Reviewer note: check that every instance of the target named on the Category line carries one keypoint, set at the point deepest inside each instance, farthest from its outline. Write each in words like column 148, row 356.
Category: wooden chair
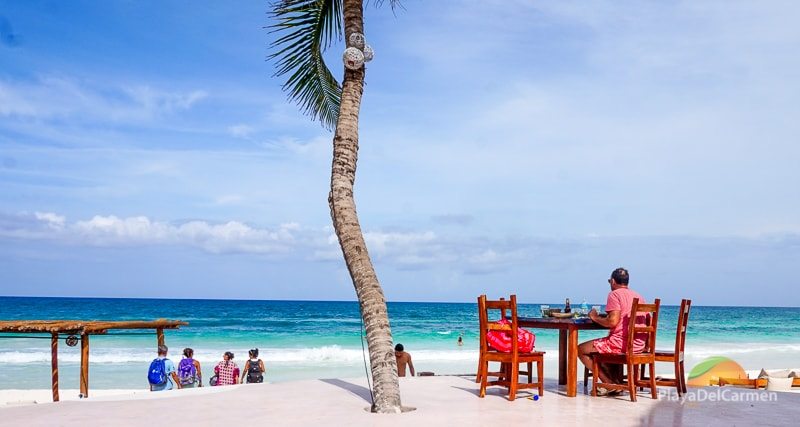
column 509, row 373
column 480, row 355
column 629, row 358
column 503, row 367
column 675, row 357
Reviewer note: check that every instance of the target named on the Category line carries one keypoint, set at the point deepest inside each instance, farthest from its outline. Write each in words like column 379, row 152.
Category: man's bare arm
column 608, row 322
column 175, row 378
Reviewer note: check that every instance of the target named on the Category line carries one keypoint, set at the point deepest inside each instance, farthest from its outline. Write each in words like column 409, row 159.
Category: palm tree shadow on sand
column 355, row 389
column 359, row 391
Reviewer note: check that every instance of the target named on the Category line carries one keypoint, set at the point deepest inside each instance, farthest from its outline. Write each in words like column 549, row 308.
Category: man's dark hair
column 162, row 349
column 620, row 276
column 398, row 347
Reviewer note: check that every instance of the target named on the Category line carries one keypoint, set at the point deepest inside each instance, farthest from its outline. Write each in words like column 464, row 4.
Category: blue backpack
column 157, row 375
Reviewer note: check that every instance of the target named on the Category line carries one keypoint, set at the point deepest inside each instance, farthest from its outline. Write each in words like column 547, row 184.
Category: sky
column 506, row 146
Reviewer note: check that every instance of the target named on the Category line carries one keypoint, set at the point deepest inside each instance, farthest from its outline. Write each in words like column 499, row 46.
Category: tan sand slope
column 440, row 401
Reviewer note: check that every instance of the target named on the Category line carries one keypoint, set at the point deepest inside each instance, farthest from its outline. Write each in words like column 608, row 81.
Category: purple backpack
column 187, row 373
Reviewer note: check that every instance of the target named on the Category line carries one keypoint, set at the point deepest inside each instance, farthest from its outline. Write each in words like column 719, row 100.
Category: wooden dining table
column 567, row 344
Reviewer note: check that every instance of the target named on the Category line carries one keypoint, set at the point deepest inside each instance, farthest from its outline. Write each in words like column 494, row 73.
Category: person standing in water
column 403, row 360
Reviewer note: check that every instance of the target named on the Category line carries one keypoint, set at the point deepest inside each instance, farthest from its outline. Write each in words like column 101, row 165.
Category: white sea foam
column 325, row 354
column 332, row 354
column 741, row 349
column 338, row 355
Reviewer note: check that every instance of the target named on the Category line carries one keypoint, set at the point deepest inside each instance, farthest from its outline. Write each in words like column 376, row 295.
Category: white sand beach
column 20, row 397
column 439, row 401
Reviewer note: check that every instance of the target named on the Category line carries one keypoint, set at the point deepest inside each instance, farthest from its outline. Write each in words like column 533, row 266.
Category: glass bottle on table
column 567, row 308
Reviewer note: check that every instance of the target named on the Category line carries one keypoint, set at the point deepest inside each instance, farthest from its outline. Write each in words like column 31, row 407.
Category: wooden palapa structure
column 80, row 330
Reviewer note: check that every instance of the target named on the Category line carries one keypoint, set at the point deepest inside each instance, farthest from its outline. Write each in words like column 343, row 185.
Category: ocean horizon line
column 345, row 301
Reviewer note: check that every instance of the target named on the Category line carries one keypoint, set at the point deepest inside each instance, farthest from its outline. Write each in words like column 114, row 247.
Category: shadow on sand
column 355, row 389
column 361, row 392
column 708, row 406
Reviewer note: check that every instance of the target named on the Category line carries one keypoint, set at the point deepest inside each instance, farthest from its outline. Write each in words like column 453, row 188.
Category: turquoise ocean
column 322, row 339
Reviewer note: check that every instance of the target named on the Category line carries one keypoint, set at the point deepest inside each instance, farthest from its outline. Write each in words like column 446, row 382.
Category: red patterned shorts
column 603, row 345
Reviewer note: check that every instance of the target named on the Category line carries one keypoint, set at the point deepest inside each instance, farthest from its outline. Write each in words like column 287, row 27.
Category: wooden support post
column 562, row 356
column 572, row 363
column 160, row 335
column 54, row 364
column 84, row 365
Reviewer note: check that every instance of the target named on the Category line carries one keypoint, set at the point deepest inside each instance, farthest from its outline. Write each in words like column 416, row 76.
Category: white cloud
column 228, row 237
column 60, row 97
column 156, row 100
column 382, row 242
column 404, row 248
column 240, row 131
column 317, row 147
column 235, row 236
column 491, row 260
column 52, row 220
column 105, row 230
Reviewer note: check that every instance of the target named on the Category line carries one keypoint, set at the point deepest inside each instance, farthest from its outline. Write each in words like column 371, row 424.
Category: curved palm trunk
column 386, row 389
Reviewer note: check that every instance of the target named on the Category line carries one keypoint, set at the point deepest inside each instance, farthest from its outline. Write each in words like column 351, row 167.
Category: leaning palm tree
column 305, row 29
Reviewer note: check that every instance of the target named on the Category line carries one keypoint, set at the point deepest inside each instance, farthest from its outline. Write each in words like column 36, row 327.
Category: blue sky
column 506, row 147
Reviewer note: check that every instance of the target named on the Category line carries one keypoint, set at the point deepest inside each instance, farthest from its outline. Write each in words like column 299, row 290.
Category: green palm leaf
column 305, row 29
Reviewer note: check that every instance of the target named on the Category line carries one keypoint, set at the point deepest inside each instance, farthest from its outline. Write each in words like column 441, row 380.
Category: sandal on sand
column 602, row 391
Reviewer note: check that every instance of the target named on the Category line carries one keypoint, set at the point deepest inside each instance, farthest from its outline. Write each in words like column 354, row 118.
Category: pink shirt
column 227, row 373
column 621, row 300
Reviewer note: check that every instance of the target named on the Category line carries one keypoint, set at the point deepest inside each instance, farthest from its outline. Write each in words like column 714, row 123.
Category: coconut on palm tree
column 305, row 28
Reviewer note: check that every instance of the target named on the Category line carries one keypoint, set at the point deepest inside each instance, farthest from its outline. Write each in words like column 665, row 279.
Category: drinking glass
column 544, row 309
column 596, row 308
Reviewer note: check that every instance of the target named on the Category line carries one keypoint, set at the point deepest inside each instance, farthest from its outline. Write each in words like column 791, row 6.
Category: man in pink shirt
column 618, row 308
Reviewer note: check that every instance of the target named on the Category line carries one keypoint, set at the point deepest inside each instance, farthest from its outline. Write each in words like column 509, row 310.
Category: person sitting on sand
column 403, row 359
column 254, row 368
column 189, row 373
column 169, row 371
column 226, row 370
column 618, row 309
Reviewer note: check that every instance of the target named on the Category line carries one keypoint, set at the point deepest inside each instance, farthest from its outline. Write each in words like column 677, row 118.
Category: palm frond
column 305, row 29
column 395, row 4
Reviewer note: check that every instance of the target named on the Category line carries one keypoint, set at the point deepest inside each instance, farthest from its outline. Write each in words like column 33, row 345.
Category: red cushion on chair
column 501, row 340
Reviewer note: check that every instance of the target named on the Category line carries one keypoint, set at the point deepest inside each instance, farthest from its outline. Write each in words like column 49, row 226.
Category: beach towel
column 501, row 340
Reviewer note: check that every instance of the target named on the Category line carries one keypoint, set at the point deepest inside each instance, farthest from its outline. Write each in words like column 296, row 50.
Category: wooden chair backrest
column 501, row 305
column 650, row 327
column 683, row 320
